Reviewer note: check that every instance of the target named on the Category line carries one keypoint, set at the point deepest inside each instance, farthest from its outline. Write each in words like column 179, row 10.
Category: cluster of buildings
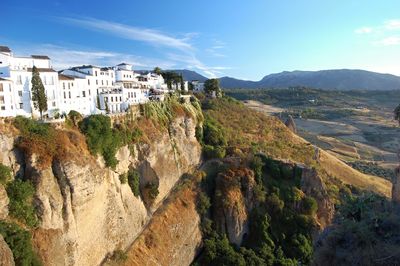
column 87, row 89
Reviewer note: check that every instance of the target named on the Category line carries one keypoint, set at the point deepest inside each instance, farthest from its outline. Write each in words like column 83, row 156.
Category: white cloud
column 150, row 36
column 363, row 30
column 64, row 57
column 393, row 24
column 187, row 52
column 389, row 41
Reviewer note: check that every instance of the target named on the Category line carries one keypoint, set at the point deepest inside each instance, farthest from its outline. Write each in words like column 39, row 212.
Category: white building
column 17, row 71
column 197, row 85
column 86, row 89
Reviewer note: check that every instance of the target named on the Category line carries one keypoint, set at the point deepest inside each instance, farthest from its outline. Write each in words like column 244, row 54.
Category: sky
column 237, row 38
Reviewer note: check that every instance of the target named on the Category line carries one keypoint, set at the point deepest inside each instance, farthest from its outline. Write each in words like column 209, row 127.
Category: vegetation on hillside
column 281, row 222
column 366, row 232
column 19, row 241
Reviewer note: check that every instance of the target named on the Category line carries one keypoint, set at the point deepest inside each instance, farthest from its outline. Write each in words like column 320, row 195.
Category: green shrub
column 213, row 133
column 28, row 126
column 152, row 190
column 101, row 138
column 75, row 117
column 309, row 205
column 5, row 174
column 20, row 244
column 212, row 152
column 123, row 178
column 134, row 182
column 119, row 256
column 203, row 203
column 20, row 194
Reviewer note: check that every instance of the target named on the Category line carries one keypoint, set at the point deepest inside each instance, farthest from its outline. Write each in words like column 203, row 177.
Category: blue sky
column 242, row 39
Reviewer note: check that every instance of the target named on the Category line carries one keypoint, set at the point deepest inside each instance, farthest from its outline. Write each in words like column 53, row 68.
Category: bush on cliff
column 101, row 138
column 21, row 194
column 134, row 181
column 20, row 244
column 5, row 174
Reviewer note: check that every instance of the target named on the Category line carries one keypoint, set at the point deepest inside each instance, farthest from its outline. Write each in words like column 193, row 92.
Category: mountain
column 190, row 75
column 340, row 79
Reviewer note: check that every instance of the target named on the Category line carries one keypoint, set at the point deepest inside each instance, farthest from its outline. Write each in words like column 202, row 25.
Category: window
column 112, row 99
column 95, row 73
column 44, row 80
column 2, row 99
column 20, row 93
column 3, row 108
column 88, row 82
column 65, row 95
column 89, row 92
column 107, row 82
column 54, row 104
column 97, row 82
column 112, row 75
column 120, row 98
column 69, row 85
column 83, row 93
column 1, row 86
column 21, row 106
column 102, row 82
column 19, row 79
column 52, row 81
column 64, row 85
column 69, row 94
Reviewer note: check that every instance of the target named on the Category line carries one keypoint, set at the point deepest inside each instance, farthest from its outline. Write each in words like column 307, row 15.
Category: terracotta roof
column 40, row 56
column 64, row 77
column 5, row 49
column 43, row 69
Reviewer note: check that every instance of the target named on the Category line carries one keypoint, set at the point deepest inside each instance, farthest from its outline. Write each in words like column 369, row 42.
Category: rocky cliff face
column 234, row 194
column 6, row 256
column 85, row 212
column 173, row 236
column 396, row 186
column 313, row 185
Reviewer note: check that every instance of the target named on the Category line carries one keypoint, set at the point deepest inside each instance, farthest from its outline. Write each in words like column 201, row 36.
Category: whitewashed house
column 197, row 85
column 18, row 71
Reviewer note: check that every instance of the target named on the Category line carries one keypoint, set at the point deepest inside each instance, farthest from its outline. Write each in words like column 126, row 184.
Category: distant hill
column 341, row 79
column 190, row 75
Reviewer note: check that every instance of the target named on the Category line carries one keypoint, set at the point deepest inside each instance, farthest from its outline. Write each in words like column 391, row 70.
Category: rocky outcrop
column 291, row 124
column 9, row 156
column 173, row 237
column 396, row 186
column 234, row 199
column 6, row 256
column 85, row 212
column 3, row 203
column 313, row 185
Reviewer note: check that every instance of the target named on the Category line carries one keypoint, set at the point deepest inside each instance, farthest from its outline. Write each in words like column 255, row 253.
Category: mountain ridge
column 332, row 79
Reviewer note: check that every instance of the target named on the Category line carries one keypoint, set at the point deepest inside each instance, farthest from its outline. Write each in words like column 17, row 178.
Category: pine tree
column 39, row 97
column 182, row 83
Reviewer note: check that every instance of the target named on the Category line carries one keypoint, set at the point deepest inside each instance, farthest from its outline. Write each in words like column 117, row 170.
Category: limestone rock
column 313, row 185
column 234, row 197
column 396, row 186
column 4, row 200
column 291, row 124
column 6, row 256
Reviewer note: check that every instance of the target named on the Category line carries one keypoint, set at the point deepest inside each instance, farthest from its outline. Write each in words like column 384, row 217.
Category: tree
column 212, row 85
column 182, row 83
column 157, row 70
column 397, row 113
column 39, row 97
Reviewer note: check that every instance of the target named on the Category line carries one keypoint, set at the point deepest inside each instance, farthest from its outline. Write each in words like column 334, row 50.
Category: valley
column 355, row 126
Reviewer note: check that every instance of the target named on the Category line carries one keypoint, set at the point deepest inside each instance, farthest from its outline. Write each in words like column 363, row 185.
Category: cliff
column 85, row 213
